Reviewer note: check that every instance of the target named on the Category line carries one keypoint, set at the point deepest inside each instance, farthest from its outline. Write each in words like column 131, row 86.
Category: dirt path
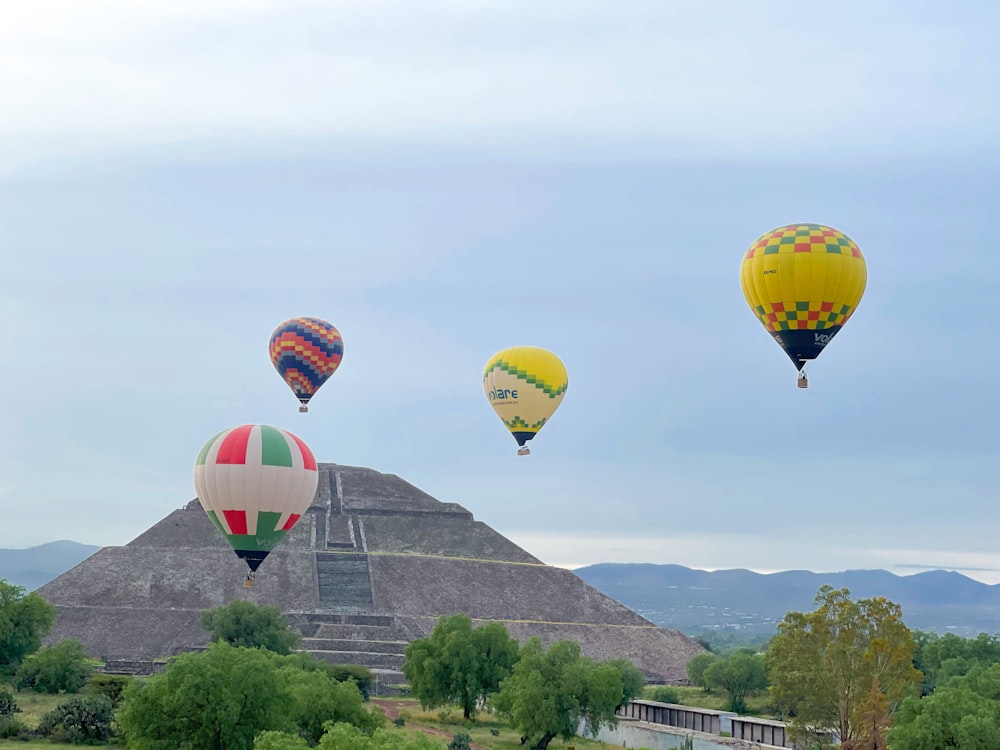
column 392, row 708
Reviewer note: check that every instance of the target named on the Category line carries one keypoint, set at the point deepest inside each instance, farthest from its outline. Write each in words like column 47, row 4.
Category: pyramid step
column 358, row 633
column 353, row 644
column 344, row 580
column 369, row 659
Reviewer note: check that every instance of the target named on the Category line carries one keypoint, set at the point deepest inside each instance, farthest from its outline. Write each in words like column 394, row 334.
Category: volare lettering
column 503, row 394
column 822, row 339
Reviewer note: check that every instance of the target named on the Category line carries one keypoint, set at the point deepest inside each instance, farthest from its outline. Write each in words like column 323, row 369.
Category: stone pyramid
column 371, row 566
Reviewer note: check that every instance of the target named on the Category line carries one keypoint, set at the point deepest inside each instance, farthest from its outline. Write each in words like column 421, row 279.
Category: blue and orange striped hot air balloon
column 255, row 482
column 306, row 352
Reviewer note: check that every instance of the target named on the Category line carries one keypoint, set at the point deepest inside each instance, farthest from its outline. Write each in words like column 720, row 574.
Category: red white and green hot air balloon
column 255, row 482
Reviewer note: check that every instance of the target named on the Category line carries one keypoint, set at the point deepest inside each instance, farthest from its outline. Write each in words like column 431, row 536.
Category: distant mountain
column 35, row 566
column 696, row 600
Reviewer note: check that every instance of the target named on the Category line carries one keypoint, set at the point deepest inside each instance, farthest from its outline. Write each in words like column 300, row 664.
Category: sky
column 445, row 179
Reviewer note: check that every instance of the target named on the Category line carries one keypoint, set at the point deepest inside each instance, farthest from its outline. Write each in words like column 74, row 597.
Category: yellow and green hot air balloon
column 524, row 385
column 804, row 282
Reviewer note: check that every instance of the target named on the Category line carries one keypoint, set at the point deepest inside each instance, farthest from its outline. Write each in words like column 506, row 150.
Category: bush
column 110, row 685
column 11, row 728
column 460, row 741
column 79, row 720
column 362, row 676
column 8, row 706
column 52, row 669
column 664, row 694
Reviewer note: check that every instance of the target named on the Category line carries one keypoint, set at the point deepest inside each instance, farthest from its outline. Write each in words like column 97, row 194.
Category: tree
column 242, row 623
column 740, row 674
column 459, row 664
column 826, row 666
column 317, row 698
column 942, row 657
column 83, row 720
column 25, row 619
column 62, row 667
column 696, row 667
column 221, row 697
column 550, row 693
column 962, row 713
column 633, row 680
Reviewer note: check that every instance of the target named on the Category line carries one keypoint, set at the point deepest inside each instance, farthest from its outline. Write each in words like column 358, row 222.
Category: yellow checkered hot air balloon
column 804, row 282
column 524, row 385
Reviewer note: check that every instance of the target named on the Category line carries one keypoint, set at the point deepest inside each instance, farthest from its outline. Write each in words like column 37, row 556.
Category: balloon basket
column 803, row 380
column 303, row 409
column 523, row 452
column 250, row 581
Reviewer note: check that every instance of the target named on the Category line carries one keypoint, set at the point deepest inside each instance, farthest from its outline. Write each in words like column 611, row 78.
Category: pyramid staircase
column 345, row 629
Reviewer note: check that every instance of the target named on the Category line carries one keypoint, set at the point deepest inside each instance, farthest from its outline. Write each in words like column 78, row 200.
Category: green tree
column 61, row 667
column 943, row 657
column 219, row 698
column 8, row 706
column 243, row 623
column 739, row 675
column 111, row 685
column 459, row 664
column 824, row 664
column 962, row 713
column 80, row 721
column 696, row 667
column 551, row 692
column 317, row 698
column 633, row 680
column 25, row 619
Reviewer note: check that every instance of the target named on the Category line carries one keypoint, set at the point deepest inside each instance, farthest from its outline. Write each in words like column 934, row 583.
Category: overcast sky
column 444, row 179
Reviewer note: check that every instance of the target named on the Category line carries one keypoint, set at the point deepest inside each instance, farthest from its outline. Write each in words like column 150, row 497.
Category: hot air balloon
column 255, row 482
column 804, row 282
column 306, row 352
column 524, row 385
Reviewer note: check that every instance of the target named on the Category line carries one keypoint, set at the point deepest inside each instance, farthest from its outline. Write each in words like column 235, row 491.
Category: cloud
column 578, row 76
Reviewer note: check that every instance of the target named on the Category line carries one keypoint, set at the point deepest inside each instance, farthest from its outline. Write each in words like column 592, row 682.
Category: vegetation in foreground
column 851, row 666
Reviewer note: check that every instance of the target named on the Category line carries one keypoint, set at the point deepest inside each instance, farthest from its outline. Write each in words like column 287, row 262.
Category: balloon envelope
column 255, row 482
column 804, row 282
column 525, row 385
column 306, row 352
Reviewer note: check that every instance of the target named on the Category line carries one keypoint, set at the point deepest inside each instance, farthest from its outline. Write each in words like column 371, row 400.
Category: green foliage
column 111, row 685
column 739, row 675
column 11, row 728
column 61, row 667
column 552, row 693
column 221, row 697
column 25, row 619
column 843, row 666
column 242, row 623
column 696, row 667
column 226, row 696
column 8, row 706
column 964, row 712
column 317, row 698
column 82, row 720
column 346, row 737
column 460, row 741
column 271, row 740
column 459, row 664
column 633, row 681
column 943, row 657
column 362, row 676
column 664, row 694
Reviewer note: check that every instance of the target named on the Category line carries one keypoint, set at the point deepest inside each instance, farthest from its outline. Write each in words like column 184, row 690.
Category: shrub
column 362, row 676
column 79, row 720
column 8, row 706
column 61, row 667
column 110, row 685
column 460, row 741
column 11, row 728
column 664, row 694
